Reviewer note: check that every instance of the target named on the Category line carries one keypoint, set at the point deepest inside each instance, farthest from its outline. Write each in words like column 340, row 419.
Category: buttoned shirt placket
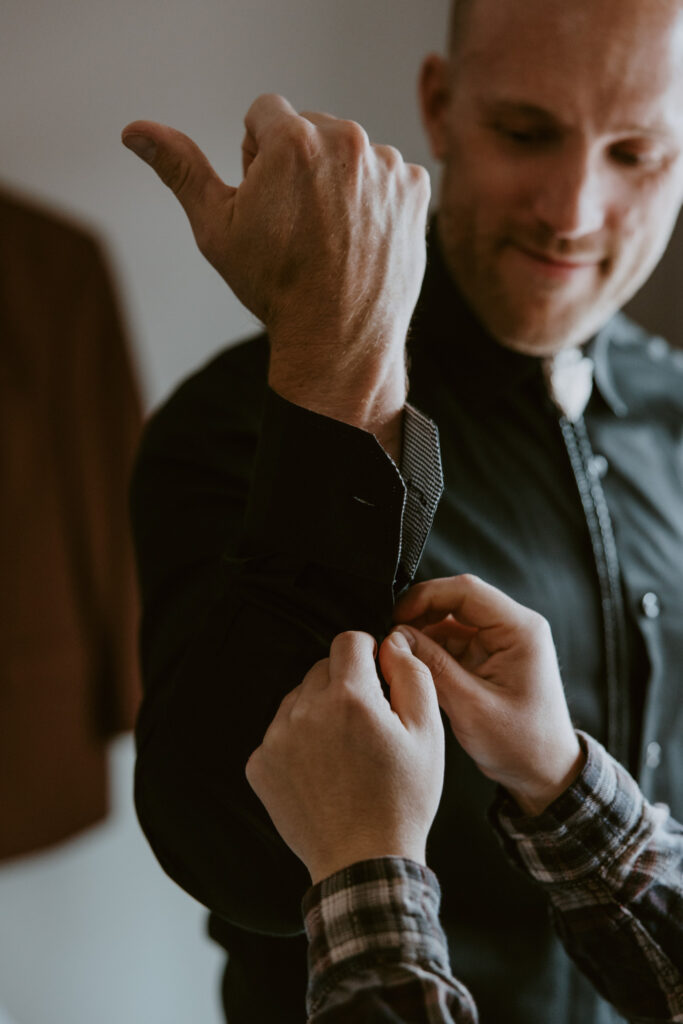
column 599, row 523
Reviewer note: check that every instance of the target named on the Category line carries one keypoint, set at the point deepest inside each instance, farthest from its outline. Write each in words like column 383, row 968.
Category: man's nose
column 571, row 201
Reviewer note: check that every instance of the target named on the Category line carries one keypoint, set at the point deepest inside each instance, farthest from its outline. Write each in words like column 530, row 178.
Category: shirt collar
column 598, row 349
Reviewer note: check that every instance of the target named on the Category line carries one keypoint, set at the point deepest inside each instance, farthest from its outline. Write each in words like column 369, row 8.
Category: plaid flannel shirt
column 610, row 862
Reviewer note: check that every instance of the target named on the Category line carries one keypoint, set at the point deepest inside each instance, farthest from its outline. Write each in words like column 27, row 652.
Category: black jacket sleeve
column 262, row 530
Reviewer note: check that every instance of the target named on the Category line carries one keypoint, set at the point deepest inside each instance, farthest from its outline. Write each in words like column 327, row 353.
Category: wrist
column 366, row 396
column 533, row 797
column 320, row 868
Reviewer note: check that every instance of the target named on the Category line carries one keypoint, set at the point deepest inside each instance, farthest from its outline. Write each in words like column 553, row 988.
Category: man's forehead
column 576, row 61
column 627, row 29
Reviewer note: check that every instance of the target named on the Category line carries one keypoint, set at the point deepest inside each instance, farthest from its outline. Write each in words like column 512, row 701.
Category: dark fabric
column 231, row 625
column 69, row 424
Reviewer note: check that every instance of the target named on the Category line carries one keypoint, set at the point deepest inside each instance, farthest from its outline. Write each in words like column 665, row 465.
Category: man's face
column 560, row 127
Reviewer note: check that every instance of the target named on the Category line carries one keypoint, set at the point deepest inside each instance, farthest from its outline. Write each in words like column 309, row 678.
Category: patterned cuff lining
column 423, row 476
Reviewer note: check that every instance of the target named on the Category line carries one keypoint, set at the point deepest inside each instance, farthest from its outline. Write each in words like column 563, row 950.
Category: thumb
column 412, row 693
column 183, row 167
column 451, row 681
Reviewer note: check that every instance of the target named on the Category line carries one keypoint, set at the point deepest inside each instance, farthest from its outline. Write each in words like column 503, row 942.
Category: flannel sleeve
column 377, row 952
column 612, row 866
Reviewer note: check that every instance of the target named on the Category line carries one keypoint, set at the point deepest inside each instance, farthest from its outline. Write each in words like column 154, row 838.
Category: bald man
column 288, row 491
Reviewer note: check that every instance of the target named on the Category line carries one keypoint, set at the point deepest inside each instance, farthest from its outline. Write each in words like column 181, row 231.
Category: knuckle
column 252, row 769
column 289, row 698
column 541, row 625
column 469, row 579
column 320, row 668
column 347, row 640
column 294, row 138
column 267, row 97
column 354, row 136
column 421, row 179
column 391, row 156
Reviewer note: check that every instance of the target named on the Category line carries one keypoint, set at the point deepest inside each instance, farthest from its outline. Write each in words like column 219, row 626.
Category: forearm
column 611, row 864
column 377, row 950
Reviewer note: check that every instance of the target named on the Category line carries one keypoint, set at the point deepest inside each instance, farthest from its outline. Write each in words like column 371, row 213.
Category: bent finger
column 266, row 112
column 469, row 599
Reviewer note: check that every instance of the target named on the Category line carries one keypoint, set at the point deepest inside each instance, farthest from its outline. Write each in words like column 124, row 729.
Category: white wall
column 74, row 72
column 94, row 931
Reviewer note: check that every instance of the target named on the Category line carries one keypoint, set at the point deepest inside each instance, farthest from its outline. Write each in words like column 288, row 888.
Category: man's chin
column 542, row 336
column 538, row 347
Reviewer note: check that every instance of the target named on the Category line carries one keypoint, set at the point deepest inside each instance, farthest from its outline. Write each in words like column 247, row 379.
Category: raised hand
column 324, row 241
column 344, row 775
column 495, row 669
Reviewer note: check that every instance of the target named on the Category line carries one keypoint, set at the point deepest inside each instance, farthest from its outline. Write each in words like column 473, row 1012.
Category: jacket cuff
column 320, row 485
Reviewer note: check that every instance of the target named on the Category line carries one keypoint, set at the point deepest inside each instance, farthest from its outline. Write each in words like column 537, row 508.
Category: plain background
column 94, row 931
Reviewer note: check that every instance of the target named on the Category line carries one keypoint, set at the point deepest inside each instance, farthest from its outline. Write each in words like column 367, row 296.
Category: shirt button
column 653, row 755
column 650, row 605
column 598, row 466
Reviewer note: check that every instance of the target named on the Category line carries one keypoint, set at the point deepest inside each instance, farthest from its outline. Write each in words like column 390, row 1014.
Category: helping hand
column 344, row 775
column 495, row 669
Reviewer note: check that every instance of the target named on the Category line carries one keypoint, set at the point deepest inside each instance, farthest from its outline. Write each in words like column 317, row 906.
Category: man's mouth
column 555, row 265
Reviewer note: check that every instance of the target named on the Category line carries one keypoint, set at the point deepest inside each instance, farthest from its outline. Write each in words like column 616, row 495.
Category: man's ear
column 435, row 98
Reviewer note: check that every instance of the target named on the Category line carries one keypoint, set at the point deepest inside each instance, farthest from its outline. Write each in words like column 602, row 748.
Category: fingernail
column 403, row 639
column 141, row 146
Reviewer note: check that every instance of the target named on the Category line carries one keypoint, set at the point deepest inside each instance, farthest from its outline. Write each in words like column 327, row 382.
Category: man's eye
column 648, row 159
column 525, row 136
column 631, row 159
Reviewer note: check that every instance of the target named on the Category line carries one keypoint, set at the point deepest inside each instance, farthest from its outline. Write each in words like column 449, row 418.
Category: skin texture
column 344, row 775
column 560, row 130
column 495, row 670
column 324, row 241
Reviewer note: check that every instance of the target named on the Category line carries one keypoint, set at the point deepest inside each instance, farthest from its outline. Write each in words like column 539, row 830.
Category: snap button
column 650, row 605
column 598, row 466
column 653, row 755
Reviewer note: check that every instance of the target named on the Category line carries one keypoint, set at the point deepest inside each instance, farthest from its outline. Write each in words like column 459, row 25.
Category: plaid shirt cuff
column 584, row 830
column 610, row 863
column 373, row 914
